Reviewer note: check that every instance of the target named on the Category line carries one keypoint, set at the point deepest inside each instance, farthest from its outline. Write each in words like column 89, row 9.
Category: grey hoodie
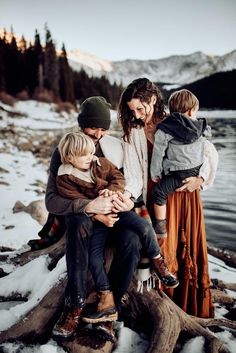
column 179, row 145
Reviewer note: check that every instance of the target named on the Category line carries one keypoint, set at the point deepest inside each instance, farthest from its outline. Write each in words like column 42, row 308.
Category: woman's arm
column 207, row 171
column 209, row 167
column 190, row 184
column 135, row 163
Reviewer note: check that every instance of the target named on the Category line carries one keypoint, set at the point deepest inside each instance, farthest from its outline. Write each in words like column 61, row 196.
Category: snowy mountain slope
column 89, row 62
column 177, row 69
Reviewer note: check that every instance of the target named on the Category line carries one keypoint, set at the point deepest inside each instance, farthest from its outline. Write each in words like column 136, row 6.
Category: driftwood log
column 229, row 257
column 153, row 313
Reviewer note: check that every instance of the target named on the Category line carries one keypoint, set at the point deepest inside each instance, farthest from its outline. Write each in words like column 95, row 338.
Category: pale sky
column 128, row 29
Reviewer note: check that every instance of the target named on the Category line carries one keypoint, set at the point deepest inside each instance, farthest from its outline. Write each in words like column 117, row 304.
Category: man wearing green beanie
column 94, row 120
column 95, row 112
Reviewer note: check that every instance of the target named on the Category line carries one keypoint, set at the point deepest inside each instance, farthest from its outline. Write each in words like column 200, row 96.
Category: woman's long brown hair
column 142, row 89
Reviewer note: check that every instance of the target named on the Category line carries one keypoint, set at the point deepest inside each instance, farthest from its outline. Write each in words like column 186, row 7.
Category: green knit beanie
column 95, row 112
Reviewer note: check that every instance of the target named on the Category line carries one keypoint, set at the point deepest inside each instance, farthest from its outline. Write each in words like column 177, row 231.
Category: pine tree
column 51, row 70
column 34, row 63
column 82, row 84
column 38, row 50
column 2, row 64
column 14, row 67
column 66, row 77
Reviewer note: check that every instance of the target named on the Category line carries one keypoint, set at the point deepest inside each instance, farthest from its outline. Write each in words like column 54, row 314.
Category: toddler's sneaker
column 161, row 271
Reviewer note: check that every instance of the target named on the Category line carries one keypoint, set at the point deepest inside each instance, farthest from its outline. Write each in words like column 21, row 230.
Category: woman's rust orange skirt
column 185, row 252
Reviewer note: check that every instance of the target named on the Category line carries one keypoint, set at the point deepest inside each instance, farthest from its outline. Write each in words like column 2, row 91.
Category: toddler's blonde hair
column 75, row 144
column 181, row 101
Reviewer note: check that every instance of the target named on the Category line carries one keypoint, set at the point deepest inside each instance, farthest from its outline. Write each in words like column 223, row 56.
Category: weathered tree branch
column 229, row 257
column 224, row 285
column 55, row 253
column 215, row 322
column 168, row 320
column 38, row 323
column 221, row 297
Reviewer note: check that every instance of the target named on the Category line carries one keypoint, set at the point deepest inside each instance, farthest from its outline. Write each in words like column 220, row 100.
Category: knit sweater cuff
column 80, row 205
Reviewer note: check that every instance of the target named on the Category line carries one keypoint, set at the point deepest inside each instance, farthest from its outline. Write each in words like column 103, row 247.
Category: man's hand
column 109, row 220
column 100, row 205
column 191, row 184
column 106, row 192
column 122, row 203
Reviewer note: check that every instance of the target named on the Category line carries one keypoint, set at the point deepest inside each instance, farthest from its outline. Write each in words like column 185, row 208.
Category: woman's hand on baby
column 122, row 203
column 191, row 184
column 109, row 220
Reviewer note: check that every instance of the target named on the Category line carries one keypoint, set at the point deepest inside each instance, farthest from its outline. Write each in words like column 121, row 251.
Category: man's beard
column 95, row 139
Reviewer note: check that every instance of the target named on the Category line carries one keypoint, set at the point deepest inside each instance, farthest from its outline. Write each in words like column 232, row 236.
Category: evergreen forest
column 36, row 71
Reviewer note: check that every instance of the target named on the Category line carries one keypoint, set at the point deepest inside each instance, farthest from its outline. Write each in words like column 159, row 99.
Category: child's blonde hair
column 74, row 144
column 181, row 101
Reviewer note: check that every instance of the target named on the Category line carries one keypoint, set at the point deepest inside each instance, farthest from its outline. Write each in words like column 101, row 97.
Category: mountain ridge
column 169, row 72
column 172, row 70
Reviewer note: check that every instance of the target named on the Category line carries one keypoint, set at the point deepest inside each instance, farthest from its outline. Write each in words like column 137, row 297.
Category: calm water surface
column 220, row 201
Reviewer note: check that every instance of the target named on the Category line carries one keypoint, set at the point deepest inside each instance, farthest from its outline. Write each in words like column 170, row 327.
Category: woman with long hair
column 141, row 108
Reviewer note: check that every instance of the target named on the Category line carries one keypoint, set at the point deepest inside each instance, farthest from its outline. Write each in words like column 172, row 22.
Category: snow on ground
column 39, row 115
column 23, row 173
column 218, row 269
column 19, row 173
column 22, row 281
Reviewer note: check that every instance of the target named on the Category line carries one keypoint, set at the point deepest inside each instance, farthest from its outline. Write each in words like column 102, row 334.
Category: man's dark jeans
column 126, row 242
column 78, row 230
column 125, row 233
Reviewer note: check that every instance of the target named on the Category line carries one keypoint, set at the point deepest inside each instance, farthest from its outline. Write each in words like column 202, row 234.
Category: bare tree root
column 55, row 253
column 229, row 257
column 38, row 323
column 221, row 297
column 168, row 321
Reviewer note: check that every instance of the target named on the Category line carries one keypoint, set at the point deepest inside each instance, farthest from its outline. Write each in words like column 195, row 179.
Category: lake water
column 219, row 202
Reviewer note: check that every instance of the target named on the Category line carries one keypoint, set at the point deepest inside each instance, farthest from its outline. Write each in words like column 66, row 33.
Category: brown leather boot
column 67, row 324
column 161, row 271
column 106, row 309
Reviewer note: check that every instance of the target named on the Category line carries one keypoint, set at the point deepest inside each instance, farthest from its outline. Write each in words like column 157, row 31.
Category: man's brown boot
column 67, row 324
column 161, row 271
column 106, row 309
